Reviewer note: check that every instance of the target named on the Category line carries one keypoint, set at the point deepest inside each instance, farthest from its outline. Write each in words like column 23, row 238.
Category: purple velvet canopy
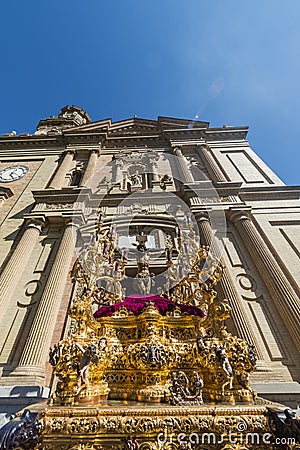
column 136, row 303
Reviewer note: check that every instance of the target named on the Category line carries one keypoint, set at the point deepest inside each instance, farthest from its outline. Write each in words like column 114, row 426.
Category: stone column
column 90, row 168
column 282, row 293
column 210, row 164
column 228, row 289
column 17, row 261
column 36, row 348
column 206, row 235
column 64, row 167
column 184, row 173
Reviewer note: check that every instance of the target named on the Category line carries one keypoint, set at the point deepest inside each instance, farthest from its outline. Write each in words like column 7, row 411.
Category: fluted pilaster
column 90, row 168
column 64, row 167
column 184, row 173
column 227, row 286
column 35, row 351
column 14, row 267
column 286, row 300
column 210, row 164
column 206, row 234
column 205, row 230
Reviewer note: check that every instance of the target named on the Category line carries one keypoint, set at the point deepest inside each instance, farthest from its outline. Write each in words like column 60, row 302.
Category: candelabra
column 191, row 269
column 101, row 263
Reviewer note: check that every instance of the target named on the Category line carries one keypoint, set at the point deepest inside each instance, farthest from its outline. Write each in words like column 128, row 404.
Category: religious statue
column 135, row 181
column 223, row 360
column 144, row 279
column 183, row 392
column 164, row 180
column 153, row 357
column 90, row 354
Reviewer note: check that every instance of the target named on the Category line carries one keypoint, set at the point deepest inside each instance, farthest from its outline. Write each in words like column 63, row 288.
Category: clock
column 12, row 173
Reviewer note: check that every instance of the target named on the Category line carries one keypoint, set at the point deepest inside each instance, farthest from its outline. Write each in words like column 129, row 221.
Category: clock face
column 12, row 173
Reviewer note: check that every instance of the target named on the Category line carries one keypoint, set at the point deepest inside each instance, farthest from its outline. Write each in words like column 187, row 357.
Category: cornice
column 227, row 133
column 221, row 188
column 105, row 138
column 52, row 196
column 229, row 144
column 133, row 137
column 270, row 192
column 36, row 153
column 31, row 141
column 187, row 133
column 182, row 142
column 167, row 122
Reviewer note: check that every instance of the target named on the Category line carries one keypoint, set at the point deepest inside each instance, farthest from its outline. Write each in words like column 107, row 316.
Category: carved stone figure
column 136, row 180
column 164, row 180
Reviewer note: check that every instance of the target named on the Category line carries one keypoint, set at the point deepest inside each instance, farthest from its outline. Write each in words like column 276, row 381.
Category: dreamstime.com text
column 230, row 437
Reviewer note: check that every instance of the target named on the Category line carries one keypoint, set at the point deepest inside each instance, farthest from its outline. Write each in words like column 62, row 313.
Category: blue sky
column 228, row 62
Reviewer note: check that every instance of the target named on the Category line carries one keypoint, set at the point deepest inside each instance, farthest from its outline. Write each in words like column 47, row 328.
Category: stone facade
column 137, row 168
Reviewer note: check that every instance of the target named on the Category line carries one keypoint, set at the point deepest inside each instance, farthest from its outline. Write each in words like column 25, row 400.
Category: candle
column 105, row 247
column 168, row 254
column 117, row 266
column 186, row 247
column 178, row 232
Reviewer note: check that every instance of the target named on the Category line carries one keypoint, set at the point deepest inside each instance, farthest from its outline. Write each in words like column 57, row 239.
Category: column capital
column 201, row 216
column 238, row 216
column 69, row 151
column 72, row 222
column 203, row 146
column 95, row 150
column 178, row 150
column 35, row 222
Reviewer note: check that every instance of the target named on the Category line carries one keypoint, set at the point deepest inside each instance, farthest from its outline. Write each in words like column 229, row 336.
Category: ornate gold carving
column 187, row 360
column 141, row 352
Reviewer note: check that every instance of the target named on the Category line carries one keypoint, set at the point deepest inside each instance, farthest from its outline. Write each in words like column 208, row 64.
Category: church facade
column 146, row 176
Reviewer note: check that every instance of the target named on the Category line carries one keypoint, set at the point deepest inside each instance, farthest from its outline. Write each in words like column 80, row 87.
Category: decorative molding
column 269, row 192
